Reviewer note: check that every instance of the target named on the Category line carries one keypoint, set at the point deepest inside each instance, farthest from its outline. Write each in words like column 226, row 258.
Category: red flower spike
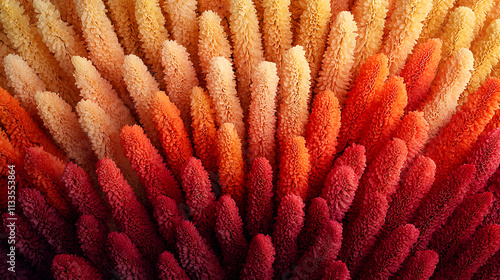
column 340, row 188
column 23, row 271
column 419, row 267
column 485, row 156
column 196, row 257
column 9, row 156
column 259, row 264
column 92, row 233
column 294, row 168
column 199, row 196
column 47, row 222
column 455, row 141
column 484, row 243
column 131, row 217
column 390, row 253
column 260, row 193
column 46, row 171
column 336, row 270
column 360, row 234
column 353, row 156
column 167, row 215
column 147, row 163
column 229, row 232
column 414, row 130
column 74, row 267
column 385, row 115
column 169, row 269
column 316, row 219
column 326, row 247
column 460, row 226
column 369, row 81
column 289, row 223
column 420, row 71
column 128, row 262
column 490, row 270
column 415, row 184
column 440, row 203
column 84, row 196
column 321, row 140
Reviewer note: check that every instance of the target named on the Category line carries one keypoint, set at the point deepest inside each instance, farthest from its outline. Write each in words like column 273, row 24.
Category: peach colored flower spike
column 435, row 19
column 294, row 168
column 122, row 13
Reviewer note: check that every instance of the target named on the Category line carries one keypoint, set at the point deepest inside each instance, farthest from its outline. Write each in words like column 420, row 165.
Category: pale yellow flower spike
column 486, row 55
column 180, row 77
column 493, row 14
column 62, row 122
column 142, row 86
column 405, row 26
column 213, row 40
column 222, row 88
column 262, row 113
column 276, row 30
column 97, row 89
column 152, row 33
column 248, row 52
column 295, row 95
column 29, row 45
column 370, row 18
column 458, row 31
column 58, row 35
column 104, row 49
column 335, row 74
column 122, row 13
column 451, row 80
column 313, row 33
column 480, row 9
column 24, row 81
column 435, row 19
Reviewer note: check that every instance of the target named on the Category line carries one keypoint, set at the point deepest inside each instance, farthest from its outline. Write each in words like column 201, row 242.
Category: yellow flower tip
column 458, row 31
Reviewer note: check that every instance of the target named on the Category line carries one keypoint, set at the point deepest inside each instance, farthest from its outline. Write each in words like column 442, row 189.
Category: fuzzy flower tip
column 148, row 164
column 419, row 267
column 259, row 264
column 167, row 215
column 260, row 193
column 126, row 258
column 353, row 156
column 339, row 190
column 316, row 218
column 169, row 269
column 73, row 267
column 336, row 270
column 92, row 234
column 294, row 168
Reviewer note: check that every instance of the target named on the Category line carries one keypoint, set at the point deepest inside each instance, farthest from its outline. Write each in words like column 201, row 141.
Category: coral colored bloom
column 168, row 268
column 259, row 264
column 414, row 130
column 353, row 156
column 260, row 193
column 73, row 267
column 128, row 262
column 340, row 188
column 336, row 270
column 316, row 219
column 167, row 215
column 92, row 234
column 294, row 168
column 419, row 267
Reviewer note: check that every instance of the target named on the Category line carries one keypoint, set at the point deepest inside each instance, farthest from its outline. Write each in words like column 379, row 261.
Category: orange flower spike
column 413, row 130
column 370, row 80
column 457, row 138
column 171, row 132
column 294, row 168
column 321, row 140
column 22, row 130
column 420, row 71
column 384, row 117
column 231, row 163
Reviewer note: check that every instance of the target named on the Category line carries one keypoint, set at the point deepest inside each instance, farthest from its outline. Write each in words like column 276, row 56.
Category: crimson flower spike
column 390, row 253
column 489, row 270
column 84, row 196
column 169, row 269
column 199, row 196
column 321, row 140
column 196, row 257
column 260, row 258
column 326, row 247
column 353, row 156
column 167, row 215
column 340, row 188
column 440, row 202
column 455, row 141
column 336, row 270
column 289, row 222
column 73, row 267
column 46, row 171
column 47, row 222
column 128, row 262
column 130, row 215
column 461, row 225
column 420, row 71
column 369, row 81
column 414, row 130
column 147, row 163
column 317, row 217
column 419, row 267
column 260, row 193
column 483, row 244
column 229, row 232
column 92, row 233
column 22, row 270
column 414, row 185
